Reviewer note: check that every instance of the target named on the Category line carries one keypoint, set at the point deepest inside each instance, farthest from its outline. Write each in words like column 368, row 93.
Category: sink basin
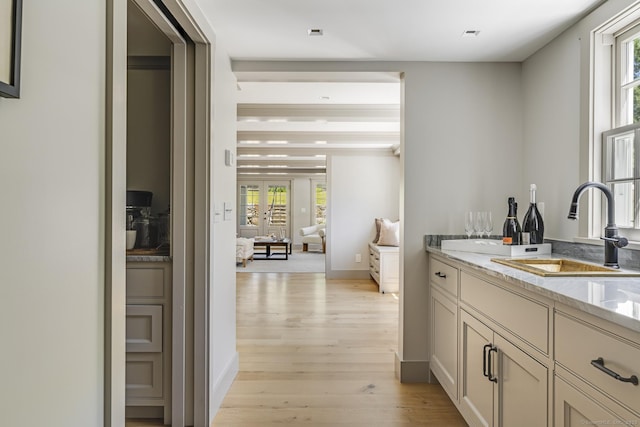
column 562, row 267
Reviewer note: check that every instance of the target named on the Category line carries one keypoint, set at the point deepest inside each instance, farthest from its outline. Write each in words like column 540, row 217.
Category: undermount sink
column 562, row 267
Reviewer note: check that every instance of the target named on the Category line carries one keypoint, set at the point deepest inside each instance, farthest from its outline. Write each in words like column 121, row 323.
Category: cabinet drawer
column 145, row 282
column 527, row 319
column 578, row 343
column 143, row 375
column 144, row 328
column 444, row 276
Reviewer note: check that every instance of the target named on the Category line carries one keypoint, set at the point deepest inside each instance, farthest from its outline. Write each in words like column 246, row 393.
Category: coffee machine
column 139, row 218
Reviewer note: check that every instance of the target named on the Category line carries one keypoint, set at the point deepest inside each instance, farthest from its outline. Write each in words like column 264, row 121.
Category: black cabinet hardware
column 441, row 275
column 599, row 363
column 486, row 361
column 490, row 376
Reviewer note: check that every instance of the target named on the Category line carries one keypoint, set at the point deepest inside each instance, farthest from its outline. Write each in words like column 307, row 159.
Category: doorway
column 264, row 208
column 190, row 162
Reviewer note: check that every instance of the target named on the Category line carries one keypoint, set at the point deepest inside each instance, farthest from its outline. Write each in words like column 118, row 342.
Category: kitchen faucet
column 611, row 239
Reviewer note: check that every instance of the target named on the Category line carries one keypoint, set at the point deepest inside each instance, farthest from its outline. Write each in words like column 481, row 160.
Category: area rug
column 298, row 262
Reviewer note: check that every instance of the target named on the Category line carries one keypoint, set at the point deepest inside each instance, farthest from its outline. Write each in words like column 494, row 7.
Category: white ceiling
column 298, row 120
column 385, row 30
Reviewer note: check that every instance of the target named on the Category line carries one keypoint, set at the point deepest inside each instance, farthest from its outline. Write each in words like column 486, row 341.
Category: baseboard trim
column 221, row 387
column 348, row 274
column 412, row 371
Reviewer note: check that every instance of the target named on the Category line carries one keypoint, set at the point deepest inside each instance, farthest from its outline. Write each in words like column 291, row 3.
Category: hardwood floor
column 318, row 352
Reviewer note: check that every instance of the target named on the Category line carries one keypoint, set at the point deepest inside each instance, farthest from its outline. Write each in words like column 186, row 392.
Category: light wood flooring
column 316, row 352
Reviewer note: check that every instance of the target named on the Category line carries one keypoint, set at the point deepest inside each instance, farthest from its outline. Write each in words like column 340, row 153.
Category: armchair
column 314, row 234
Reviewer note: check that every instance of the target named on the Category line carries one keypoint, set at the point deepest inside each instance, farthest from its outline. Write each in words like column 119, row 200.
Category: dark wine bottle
column 532, row 222
column 511, row 230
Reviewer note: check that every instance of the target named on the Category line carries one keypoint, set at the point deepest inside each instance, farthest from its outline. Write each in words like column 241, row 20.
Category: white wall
column 52, row 220
column 556, row 111
column 462, row 150
column 224, row 357
column 361, row 187
column 300, row 200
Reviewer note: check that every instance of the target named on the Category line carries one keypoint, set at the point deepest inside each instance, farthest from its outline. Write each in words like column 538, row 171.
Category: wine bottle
column 532, row 222
column 511, row 229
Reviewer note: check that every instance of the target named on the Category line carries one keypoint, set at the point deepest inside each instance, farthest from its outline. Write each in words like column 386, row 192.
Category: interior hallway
column 319, row 352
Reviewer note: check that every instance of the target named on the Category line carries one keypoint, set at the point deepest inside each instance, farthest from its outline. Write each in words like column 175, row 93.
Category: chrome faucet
column 611, row 239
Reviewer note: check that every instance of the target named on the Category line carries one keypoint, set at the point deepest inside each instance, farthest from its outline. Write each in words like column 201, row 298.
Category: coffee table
column 268, row 244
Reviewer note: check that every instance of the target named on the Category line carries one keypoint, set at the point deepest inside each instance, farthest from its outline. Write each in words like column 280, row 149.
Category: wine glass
column 478, row 223
column 468, row 224
column 488, row 224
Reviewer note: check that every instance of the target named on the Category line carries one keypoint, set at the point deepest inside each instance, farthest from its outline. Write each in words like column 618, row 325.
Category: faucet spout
column 612, row 241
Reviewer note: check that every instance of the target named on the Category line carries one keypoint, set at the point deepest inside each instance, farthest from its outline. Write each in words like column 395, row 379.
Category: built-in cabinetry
column 148, row 340
column 506, row 356
column 384, row 267
column 597, row 371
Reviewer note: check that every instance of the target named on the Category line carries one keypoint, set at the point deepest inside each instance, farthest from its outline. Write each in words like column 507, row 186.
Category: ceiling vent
column 470, row 33
column 315, row 31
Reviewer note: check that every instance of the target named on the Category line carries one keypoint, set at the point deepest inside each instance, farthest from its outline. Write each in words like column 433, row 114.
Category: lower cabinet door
column 575, row 409
column 444, row 342
column 476, row 391
column 522, row 387
column 500, row 385
column 143, row 376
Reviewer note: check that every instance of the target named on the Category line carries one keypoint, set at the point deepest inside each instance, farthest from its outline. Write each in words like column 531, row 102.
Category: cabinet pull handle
column 484, row 360
column 599, row 364
column 490, row 376
column 441, row 275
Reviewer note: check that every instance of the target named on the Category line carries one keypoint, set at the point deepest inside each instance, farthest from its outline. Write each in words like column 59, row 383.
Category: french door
column 263, row 208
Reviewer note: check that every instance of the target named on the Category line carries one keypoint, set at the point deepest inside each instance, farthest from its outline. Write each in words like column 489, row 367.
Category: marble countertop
column 148, row 258
column 616, row 299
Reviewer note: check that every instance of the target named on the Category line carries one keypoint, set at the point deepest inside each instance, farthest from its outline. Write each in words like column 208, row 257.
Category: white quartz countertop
column 616, row 299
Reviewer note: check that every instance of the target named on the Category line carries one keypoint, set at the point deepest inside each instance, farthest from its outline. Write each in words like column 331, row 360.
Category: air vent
column 470, row 33
column 315, row 31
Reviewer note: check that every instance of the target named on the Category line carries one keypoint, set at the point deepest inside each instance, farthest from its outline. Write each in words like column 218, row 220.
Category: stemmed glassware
column 488, row 224
column 478, row 223
column 469, row 224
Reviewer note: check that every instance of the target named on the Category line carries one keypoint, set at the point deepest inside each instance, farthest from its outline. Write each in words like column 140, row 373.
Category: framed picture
column 10, row 42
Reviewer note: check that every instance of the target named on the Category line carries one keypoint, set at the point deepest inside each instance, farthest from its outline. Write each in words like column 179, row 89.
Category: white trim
column 115, row 188
column 224, row 382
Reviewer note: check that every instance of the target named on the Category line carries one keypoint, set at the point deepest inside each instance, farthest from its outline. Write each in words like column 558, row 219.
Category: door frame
column 264, row 197
column 190, row 250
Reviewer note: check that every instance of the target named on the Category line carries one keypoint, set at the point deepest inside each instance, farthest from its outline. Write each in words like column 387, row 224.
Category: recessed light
column 277, row 155
column 277, row 142
column 470, row 33
column 250, row 142
column 315, row 31
column 277, row 166
column 321, row 142
column 249, row 173
column 248, row 166
column 277, row 120
column 320, row 155
column 249, row 155
column 277, row 173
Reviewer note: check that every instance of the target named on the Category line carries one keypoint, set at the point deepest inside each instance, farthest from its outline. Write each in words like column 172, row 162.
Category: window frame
column 605, row 113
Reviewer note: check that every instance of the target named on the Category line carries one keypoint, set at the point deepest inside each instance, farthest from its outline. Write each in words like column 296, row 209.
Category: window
column 619, row 152
column 319, row 190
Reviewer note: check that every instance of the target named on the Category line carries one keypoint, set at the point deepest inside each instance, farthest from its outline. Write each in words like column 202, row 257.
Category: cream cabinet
column 384, row 267
column 597, row 371
column 489, row 347
column 148, row 340
column 500, row 385
column 444, row 325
